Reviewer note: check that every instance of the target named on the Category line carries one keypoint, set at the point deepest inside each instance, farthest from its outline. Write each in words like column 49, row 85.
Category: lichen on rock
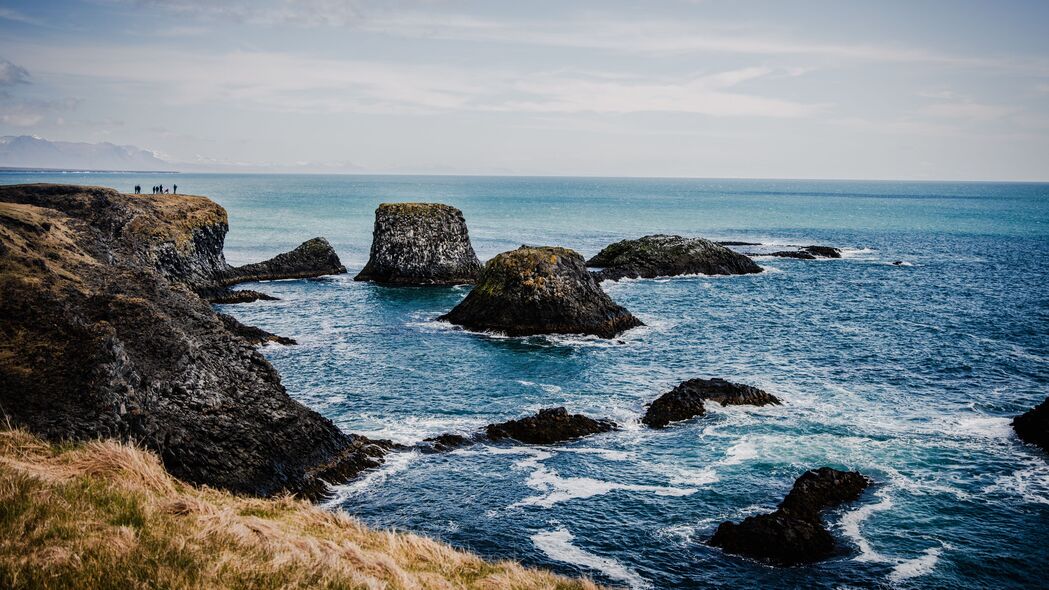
column 663, row 256
column 420, row 244
column 540, row 290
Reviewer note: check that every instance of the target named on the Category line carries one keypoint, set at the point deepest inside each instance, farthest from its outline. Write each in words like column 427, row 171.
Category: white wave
column 412, row 429
column 557, row 545
column 395, row 463
column 696, row 477
column 851, row 522
column 857, row 252
column 919, row 566
column 1030, row 483
column 742, row 451
column 544, row 386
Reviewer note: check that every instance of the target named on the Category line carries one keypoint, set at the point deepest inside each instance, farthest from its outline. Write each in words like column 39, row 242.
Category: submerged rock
column 1033, row 426
column 101, row 336
column 312, row 258
column 662, row 255
column 686, row 400
column 549, row 426
column 420, row 244
column 808, row 253
column 445, row 442
column 540, row 290
column 794, row 533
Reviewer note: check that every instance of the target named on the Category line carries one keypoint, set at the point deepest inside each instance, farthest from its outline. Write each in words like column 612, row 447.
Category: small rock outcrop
column 540, row 290
column 794, row 533
column 103, row 335
column 1033, row 426
column 420, row 244
column 251, row 333
column 664, row 256
column 686, row 400
column 549, row 426
column 312, row 258
column 808, row 253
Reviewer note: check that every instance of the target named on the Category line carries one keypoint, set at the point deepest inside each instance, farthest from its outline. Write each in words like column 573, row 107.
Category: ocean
column 908, row 373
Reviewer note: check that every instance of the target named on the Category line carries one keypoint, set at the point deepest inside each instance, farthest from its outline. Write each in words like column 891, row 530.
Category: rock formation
column 808, row 253
column 686, row 400
column 101, row 335
column 663, row 256
column 252, row 334
column 420, row 244
column 794, row 533
column 540, row 290
column 1033, row 426
column 549, row 426
column 312, row 258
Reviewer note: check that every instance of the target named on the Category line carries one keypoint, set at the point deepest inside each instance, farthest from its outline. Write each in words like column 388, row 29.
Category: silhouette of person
column 174, row 189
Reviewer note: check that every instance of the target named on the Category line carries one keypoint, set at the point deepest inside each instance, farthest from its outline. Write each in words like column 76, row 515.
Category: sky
column 949, row 90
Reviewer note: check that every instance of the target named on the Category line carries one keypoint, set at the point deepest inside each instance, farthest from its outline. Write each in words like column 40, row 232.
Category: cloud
column 14, row 15
column 292, row 83
column 11, row 74
column 30, row 112
column 967, row 110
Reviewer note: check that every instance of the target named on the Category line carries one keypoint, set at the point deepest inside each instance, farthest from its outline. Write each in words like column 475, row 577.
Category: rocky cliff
column 102, row 335
column 665, row 256
column 420, row 244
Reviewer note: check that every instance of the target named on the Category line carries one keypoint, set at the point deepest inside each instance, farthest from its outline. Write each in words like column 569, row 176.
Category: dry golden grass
column 107, row 515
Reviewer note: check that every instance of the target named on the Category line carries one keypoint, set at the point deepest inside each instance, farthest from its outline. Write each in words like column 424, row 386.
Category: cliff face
column 102, row 336
column 420, row 244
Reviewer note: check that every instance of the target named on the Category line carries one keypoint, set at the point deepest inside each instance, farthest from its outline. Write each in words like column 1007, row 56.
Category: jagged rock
column 100, row 337
column 738, row 243
column 420, row 244
column 312, row 258
column 445, row 442
column 251, row 333
column 794, row 533
column 808, row 253
column 549, row 426
column 227, row 296
column 662, row 256
column 686, row 400
column 540, row 290
column 1033, row 426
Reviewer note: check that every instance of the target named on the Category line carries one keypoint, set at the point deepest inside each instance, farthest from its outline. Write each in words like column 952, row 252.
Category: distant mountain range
column 26, row 151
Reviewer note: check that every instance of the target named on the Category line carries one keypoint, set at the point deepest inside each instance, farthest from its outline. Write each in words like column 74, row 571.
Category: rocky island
column 540, row 290
column 666, row 256
column 103, row 335
column 420, row 244
column 686, row 400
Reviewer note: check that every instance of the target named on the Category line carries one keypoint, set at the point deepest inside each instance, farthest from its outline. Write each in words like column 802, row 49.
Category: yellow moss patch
column 107, row 515
column 174, row 218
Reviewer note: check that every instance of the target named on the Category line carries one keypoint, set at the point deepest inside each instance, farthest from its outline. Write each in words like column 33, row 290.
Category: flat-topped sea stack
column 667, row 256
column 420, row 244
column 540, row 290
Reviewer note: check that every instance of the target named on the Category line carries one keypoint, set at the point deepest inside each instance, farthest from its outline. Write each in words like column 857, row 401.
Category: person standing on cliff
column 174, row 189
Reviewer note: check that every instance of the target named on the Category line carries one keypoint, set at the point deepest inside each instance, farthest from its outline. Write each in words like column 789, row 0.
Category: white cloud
column 11, row 74
column 966, row 110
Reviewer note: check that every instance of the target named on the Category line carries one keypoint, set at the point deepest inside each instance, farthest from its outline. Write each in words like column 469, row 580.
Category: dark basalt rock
column 809, row 253
column 102, row 336
column 251, row 333
column 662, row 256
column 445, row 442
column 686, row 400
column 227, row 296
column 794, row 533
column 1033, row 426
column 420, row 244
column 540, row 290
column 549, row 426
column 312, row 258
column 738, row 243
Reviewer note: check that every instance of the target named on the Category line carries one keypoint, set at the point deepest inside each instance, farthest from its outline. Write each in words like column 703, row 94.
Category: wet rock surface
column 1033, row 426
column 686, row 400
column 549, row 426
column 663, row 255
column 102, row 335
column 540, row 290
column 420, row 244
column 808, row 253
column 794, row 533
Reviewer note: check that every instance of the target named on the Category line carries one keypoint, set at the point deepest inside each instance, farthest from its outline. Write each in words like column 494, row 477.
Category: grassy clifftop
column 107, row 515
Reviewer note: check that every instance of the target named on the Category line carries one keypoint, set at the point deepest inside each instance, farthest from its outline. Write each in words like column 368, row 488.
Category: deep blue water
column 909, row 374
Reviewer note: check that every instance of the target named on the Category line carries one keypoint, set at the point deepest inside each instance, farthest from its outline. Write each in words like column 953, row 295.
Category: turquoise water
column 909, row 374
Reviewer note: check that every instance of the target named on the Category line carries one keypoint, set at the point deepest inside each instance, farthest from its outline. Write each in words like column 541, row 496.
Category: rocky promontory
column 312, row 258
column 808, row 253
column 1033, row 426
column 549, row 426
column 102, row 335
column 686, row 400
column 794, row 533
column 664, row 256
column 420, row 244
column 540, row 290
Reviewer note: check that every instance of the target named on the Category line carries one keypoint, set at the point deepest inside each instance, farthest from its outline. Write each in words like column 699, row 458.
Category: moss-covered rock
column 540, row 290
column 420, row 244
column 664, row 256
